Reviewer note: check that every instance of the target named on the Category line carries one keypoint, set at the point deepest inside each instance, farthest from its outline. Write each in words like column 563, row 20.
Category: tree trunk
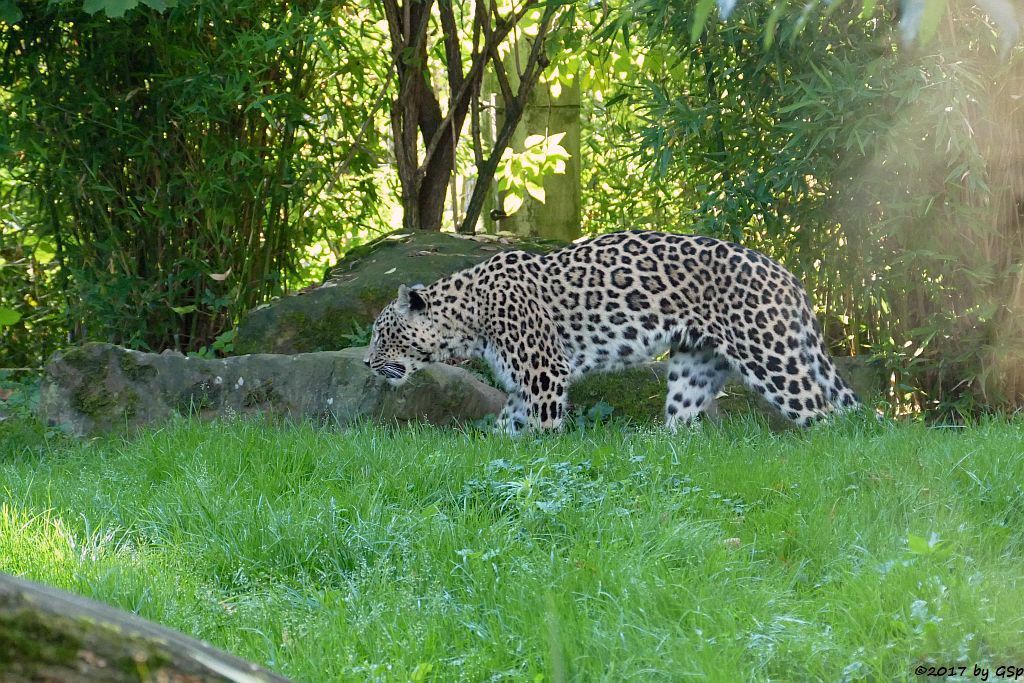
column 433, row 184
column 417, row 121
column 53, row 636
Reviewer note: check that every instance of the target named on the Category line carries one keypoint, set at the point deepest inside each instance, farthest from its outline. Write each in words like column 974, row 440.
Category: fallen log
column 48, row 635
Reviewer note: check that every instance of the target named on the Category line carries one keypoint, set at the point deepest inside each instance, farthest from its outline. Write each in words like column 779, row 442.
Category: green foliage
column 183, row 167
column 599, row 413
column 8, row 317
column 929, row 224
column 19, row 394
column 223, row 345
column 881, row 178
column 731, row 553
column 31, row 300
column 9, row 12
column 522, row 173
column 117, row 8
column 359, row 336
column 918, row 23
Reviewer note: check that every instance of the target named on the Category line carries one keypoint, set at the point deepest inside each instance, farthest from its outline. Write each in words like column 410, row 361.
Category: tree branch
column 453, row 54
column 535, row 64
column 391, row 13
column 408, row 26
column 499, row 68
column 459, row 104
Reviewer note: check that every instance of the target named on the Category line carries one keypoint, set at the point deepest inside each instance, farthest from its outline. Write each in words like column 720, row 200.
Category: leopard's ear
column 410, row 300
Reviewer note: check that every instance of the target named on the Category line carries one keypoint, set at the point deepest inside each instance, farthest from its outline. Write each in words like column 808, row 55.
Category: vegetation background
column 170, row 165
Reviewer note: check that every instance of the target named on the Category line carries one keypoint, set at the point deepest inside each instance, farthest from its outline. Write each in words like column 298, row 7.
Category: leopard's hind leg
column 795, row 374
column 694, row 379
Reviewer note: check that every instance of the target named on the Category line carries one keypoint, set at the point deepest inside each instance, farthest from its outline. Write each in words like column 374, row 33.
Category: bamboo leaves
column 9, row 11
column 215, row 172
column 8, row 317
column 700, row 17
column 117, row 8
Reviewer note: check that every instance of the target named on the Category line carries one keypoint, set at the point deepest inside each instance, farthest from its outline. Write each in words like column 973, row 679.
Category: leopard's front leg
column 542, row 410
column 547, row 396
column 513, row 418
column 538, row 398
column 527, row 357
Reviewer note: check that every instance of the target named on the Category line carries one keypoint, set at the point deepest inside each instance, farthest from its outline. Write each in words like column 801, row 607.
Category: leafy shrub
column 887, row 180
column 19, row 395
column 179, row 165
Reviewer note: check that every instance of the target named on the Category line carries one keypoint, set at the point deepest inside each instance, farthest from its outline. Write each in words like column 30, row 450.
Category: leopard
column 542, row 321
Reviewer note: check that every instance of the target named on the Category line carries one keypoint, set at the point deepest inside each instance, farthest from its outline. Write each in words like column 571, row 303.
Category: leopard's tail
column 838, row 392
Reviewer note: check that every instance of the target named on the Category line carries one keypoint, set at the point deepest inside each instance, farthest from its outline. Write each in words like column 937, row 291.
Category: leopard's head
column 405, row 337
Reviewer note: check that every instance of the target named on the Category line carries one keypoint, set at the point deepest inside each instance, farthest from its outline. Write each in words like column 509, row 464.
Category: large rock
column 99, row 387
column 332, row 315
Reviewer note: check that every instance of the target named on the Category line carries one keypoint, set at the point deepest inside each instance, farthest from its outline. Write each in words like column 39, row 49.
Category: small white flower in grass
column 218, row 380
column 330, row 401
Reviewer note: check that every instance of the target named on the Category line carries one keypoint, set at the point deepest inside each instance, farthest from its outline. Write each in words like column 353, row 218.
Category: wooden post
column 547, row 113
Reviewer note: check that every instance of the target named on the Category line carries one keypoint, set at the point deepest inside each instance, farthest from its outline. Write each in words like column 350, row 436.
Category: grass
column 845, row 552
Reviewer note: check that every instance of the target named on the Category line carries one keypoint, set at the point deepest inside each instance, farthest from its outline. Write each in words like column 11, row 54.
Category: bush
column 177, row 166
column 889, row 181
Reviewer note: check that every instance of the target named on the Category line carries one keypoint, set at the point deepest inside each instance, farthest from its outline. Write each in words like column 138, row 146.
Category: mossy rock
column 638, row 394
column 98, row 388
column 336, row 314
column 102, row 385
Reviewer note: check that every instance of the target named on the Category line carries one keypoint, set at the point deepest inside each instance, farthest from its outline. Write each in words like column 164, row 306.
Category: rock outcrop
column 100, row 387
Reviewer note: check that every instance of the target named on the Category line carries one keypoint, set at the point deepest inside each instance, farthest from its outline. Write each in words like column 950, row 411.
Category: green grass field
column 845, row 552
